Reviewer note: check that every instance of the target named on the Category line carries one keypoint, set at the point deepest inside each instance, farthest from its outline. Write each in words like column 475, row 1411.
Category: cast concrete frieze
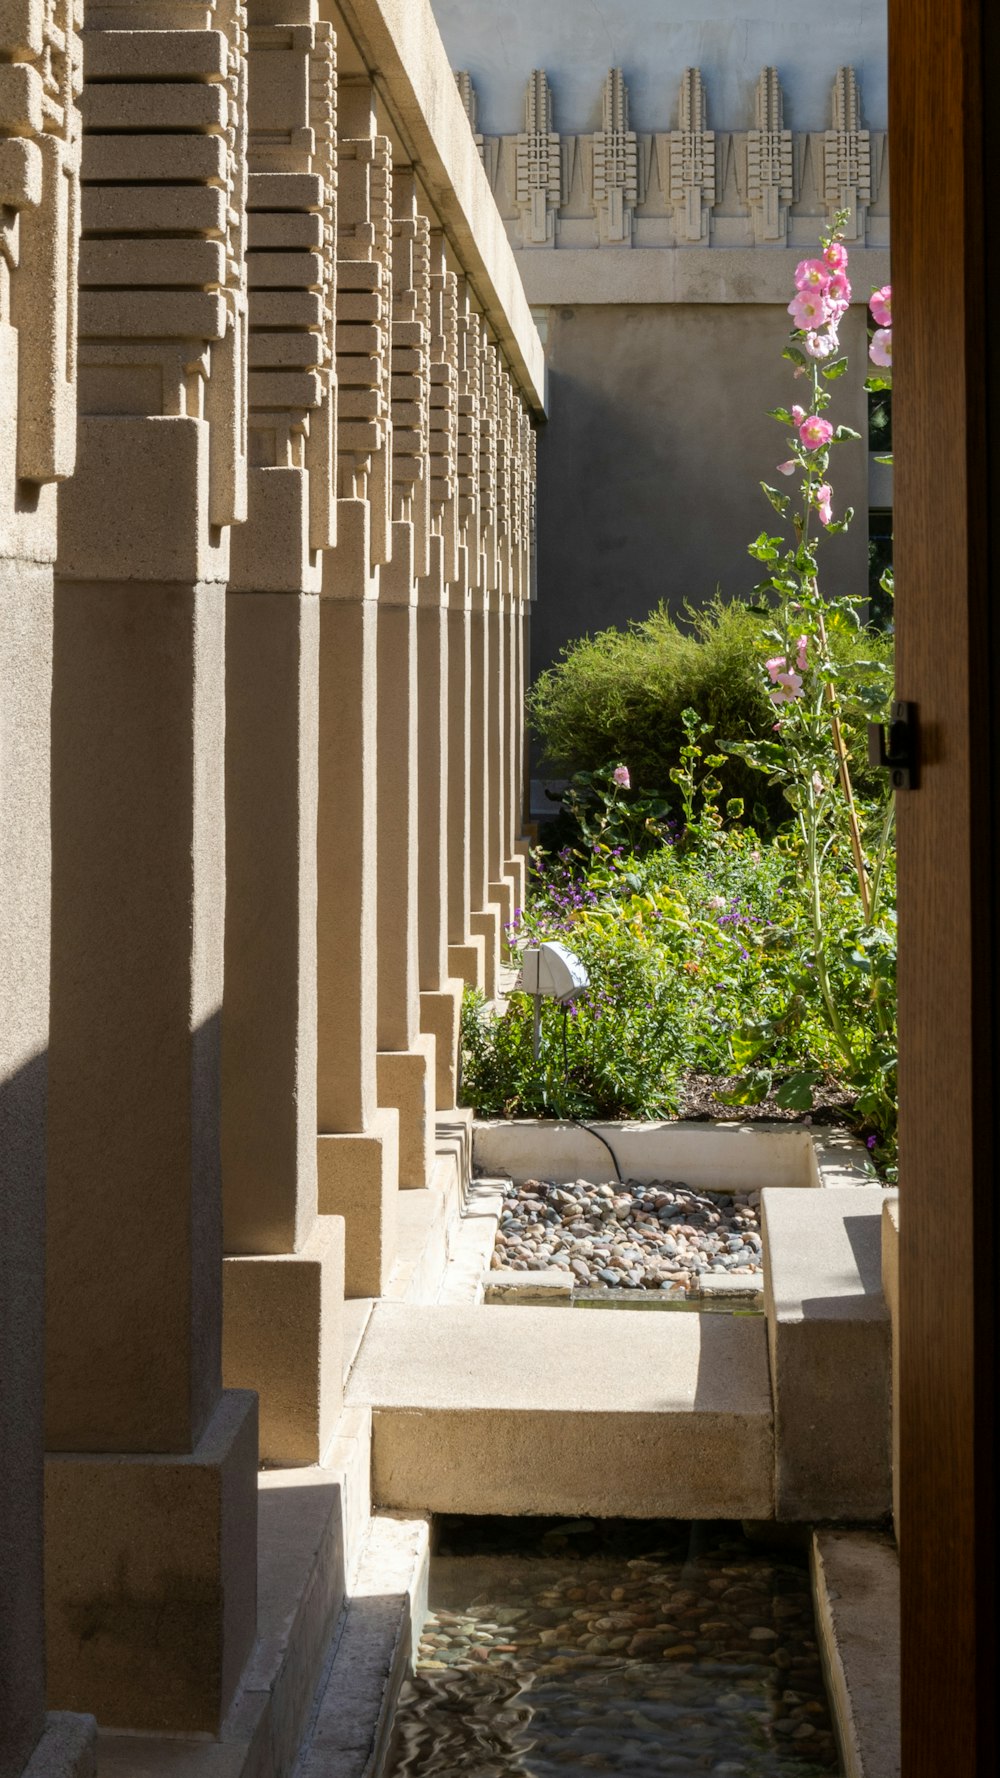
column 690, row 186
column 40, row 132
column 470, row 343
column 444, row 405
column 411, row 330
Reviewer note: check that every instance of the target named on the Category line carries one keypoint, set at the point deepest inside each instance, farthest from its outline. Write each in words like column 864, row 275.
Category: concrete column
column 358, row 1146
column 283, row 1277
column 406, row 1058
column 440, row 992
column 40, row 150
column 484, row 919
column 514, row 863
column 499, row 886
column 466, row 949
column 153, row 1467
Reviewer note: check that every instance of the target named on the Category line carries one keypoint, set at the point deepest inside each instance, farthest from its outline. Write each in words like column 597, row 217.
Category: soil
column 699, row 1101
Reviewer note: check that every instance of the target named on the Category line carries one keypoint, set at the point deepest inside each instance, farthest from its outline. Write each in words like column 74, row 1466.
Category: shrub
column 621, row 695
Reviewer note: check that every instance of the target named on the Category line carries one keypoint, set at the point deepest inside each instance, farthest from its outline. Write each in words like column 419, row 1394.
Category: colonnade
column 266, row 490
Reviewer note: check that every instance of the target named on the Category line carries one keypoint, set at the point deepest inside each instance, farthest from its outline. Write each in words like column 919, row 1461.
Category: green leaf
column 780, row 413
column 796, row 1093
column 780, row 502
column 750, row 1089
column 795, row 356
column 845, row 432
column 835, row 370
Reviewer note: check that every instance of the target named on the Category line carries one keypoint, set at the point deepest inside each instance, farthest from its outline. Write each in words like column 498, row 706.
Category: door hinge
column 896, row 749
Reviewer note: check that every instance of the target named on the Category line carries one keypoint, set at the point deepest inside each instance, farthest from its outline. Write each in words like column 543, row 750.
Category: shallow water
column 614, row 1648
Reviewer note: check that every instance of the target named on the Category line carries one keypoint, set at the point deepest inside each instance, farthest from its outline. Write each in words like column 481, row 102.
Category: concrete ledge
column 828, row 1336
column 67, row 1748
column 406, row 1082
column 709, row 1156
column 623, row 1415
column 581, row 275
column 374, row 1653
column 552, row 1287
column 856, row 1591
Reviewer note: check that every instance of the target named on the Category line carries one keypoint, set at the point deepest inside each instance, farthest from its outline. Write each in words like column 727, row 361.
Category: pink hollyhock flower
column 824, row 506
column 835, row 255
column 787, row 468
column 839, row 288
column 881, row 306
column 822, row 345
column 787, row 688
column 811, row 274
column 775, row 666
column 809, row 309
column 798, row 414
column 815, row 432
column 621, row 777
column 880, row 350
column 800, row 653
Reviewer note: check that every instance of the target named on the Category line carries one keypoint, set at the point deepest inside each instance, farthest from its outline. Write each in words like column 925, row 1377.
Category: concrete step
column 856, row 1588
column 617, row 1414
column 830, row 1349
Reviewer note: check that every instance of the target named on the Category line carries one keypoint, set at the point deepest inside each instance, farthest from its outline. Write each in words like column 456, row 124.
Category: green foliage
column 622, row 694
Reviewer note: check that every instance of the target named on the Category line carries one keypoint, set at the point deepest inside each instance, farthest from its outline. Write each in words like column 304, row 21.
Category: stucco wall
column 577, row 41
column 649, row 466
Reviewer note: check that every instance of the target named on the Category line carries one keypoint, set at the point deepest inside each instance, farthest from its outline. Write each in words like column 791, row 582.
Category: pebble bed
column 693, row 1658
column 662, row 1236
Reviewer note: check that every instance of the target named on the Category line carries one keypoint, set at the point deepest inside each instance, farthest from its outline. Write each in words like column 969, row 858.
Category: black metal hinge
column 897, row 750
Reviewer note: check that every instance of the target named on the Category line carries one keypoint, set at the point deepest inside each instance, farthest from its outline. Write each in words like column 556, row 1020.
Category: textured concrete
column 481, row 1410
column 579, row 277
column 711, row 1156
column 376, row 1650
column 150, row 1578
column 856, row 1589
column 406, row 1082
column 829, row 1341
column 269, row 1028
column 624, row 383
column 25, row 680
column 282, row 1335
column 133, row 1303
column 312, row 1523
column 359, row 1180
column 67, row 1748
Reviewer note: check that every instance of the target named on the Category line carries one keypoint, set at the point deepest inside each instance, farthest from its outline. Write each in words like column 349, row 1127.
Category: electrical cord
column 579, row 1121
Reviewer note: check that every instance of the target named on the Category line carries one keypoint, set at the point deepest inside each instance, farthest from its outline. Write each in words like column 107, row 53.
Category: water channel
column 634, row 1649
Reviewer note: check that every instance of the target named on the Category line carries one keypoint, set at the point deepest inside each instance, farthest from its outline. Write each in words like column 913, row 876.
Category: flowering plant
column 808, row 756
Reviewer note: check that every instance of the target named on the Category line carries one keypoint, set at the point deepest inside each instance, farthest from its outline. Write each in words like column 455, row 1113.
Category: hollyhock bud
column 824, row 497
column 881, row 306
column 788, row 467
column 800, row 653
column 798, row 414
column 815, row 432
column 621, row 777
column 822, row 345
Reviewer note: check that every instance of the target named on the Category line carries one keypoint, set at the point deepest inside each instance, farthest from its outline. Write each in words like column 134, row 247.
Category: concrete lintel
column 402, row 48
column 582, row 275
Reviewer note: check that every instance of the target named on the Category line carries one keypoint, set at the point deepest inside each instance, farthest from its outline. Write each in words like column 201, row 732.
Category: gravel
column 661, row 1236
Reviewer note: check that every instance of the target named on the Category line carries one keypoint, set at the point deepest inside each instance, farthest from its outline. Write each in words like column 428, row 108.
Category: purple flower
column 871, row 1142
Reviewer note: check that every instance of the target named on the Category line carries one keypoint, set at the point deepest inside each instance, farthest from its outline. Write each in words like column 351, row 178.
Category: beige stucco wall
column 649, row 467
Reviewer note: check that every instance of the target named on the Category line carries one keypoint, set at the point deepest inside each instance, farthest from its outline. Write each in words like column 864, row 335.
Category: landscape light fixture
column 550, row 971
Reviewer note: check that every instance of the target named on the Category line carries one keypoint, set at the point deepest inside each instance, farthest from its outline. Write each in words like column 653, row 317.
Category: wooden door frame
column 944, row 122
